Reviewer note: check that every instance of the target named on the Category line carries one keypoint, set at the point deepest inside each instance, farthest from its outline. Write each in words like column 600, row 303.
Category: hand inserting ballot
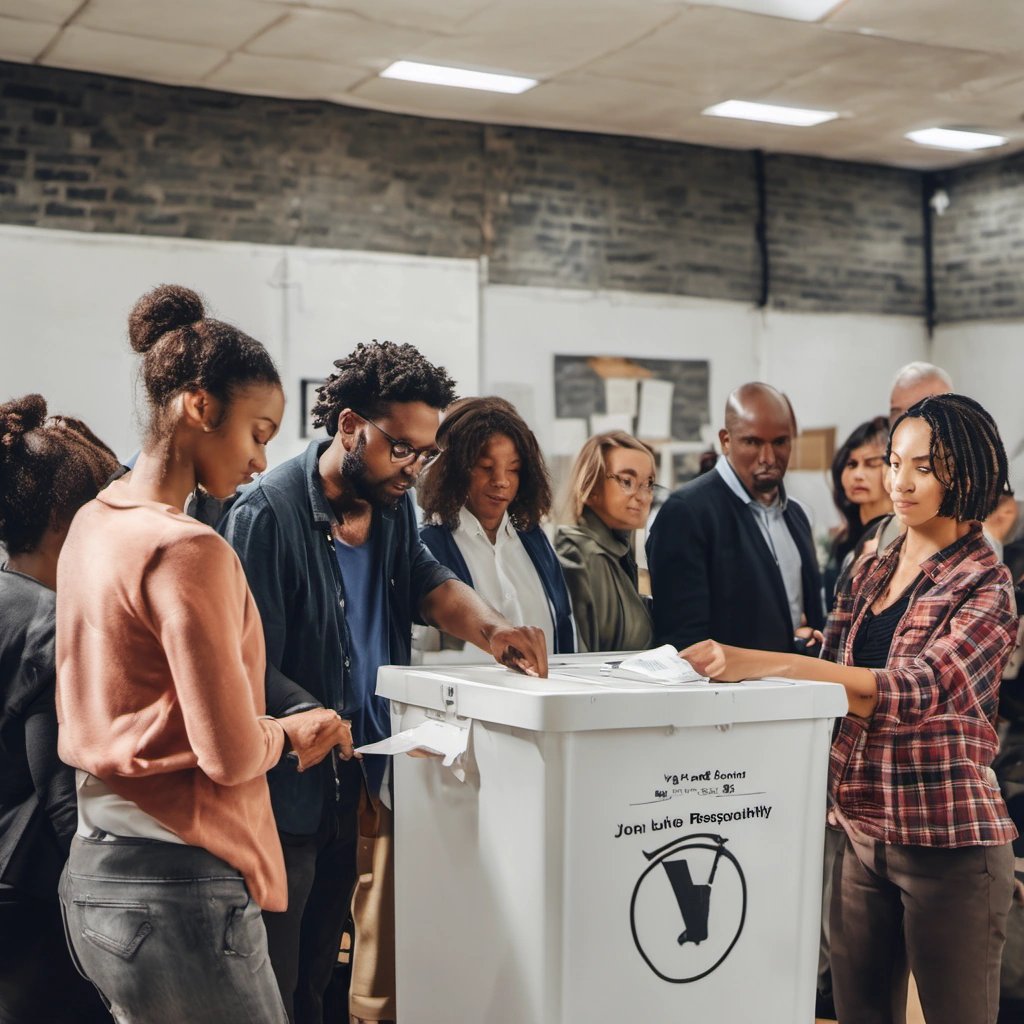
column 313, row 734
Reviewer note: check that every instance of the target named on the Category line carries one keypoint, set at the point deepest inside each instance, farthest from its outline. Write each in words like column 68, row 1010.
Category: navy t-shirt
column 365, row 614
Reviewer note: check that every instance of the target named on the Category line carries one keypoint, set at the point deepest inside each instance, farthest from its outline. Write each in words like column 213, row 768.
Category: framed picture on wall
column 307, row 399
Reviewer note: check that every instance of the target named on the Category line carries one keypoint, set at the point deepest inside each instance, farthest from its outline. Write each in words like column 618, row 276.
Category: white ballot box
column 608, row 851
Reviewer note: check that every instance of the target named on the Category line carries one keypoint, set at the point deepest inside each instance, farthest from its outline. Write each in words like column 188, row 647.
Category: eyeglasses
column 630, row 485
column 402, row 451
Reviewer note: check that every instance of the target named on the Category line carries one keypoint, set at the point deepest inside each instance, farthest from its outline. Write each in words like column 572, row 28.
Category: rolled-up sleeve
column 959, row 670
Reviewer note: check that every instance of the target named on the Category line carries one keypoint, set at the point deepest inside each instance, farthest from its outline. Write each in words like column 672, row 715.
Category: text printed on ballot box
column 762, row 811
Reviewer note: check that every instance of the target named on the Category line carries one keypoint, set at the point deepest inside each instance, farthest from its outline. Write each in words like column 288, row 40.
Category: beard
column 766, row 485
column 355, row 475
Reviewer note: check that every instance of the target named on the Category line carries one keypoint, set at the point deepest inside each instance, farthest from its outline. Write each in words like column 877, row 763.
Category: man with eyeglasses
column 330, row 547
column 731, row 557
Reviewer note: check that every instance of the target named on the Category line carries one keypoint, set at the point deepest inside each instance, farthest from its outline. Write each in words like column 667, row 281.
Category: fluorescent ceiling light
column 797, row 10
column 436, row 74
column 948, row 138
column 795, row 116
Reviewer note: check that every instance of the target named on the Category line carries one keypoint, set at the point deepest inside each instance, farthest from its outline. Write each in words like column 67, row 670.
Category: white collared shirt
column 504, row 576
column 775, row 530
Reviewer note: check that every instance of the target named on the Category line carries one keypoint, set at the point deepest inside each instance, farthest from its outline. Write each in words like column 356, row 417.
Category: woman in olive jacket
column 610, row 494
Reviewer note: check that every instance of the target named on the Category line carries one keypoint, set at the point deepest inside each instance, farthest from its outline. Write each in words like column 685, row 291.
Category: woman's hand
column 313, row 734
column 709, row 658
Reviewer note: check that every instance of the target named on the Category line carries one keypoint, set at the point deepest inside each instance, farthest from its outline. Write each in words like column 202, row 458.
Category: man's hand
column 522, row 648
column 314, row 733
column 807, row 640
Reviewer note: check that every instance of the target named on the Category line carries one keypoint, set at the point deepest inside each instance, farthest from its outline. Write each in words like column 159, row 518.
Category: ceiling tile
column 24, row 40
column 414, row 13
column 995, row 26
column 54, row 12
column 337, row 37
column 723, row 53
column 279, row 76
column 226, row 24
column 88, row 50
column 505, row 37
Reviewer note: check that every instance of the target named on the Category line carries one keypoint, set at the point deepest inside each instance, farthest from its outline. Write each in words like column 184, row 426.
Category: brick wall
column 844, row 236
column 979, row 242
column 93, row 153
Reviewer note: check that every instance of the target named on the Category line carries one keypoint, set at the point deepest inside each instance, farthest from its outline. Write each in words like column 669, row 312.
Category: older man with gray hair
column 914, row 382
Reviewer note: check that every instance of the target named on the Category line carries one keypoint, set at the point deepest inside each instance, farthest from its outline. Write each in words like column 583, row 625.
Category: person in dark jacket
column 49, row 468
column 329, row 545
column 484, row 500
column 730, row 556
column 611, row 489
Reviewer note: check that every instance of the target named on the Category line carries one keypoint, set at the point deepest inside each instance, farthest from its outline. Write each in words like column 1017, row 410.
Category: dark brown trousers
column 940, row 913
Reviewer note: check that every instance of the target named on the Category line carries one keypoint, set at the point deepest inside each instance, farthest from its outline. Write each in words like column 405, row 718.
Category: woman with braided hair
column 919, row 638
column 49, row 468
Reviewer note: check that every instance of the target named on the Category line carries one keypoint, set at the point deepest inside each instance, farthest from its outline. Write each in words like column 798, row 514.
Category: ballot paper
column 444, row 738
column 662, row 665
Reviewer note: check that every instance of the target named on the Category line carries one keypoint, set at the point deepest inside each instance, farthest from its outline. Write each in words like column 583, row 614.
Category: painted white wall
column 986, row 361
column 65, row 298
column 337, row 299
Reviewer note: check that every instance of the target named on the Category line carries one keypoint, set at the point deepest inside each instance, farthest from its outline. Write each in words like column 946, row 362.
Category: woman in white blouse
column 484, row 498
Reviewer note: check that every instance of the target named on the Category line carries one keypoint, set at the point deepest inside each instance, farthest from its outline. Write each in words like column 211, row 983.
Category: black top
column 38, row 809
column 874, row 638
column 714, row 577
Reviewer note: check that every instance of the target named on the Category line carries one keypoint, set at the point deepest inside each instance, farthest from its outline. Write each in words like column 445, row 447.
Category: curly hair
column 374, row 376
column 49, row 468
column 185, row 350
column 462, row 436
column 874, row 430
column 966, row 452
column 589, row 468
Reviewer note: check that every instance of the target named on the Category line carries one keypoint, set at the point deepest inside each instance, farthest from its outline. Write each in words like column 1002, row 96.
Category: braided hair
column 374, row 376
column 966, row 452
column 49, row 468
column 184, row 350
column 462, row 436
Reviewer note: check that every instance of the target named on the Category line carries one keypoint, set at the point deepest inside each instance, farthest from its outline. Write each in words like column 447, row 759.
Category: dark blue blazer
column 442, row 545
column 714, row 577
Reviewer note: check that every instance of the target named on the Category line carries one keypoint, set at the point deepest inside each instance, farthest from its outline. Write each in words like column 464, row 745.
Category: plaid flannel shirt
column 917, row 772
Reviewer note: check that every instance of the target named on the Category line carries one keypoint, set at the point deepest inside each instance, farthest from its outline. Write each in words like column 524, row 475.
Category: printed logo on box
column 688, row 907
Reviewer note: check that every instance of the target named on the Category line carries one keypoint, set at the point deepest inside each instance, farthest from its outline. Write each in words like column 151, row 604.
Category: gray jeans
column 167, row 933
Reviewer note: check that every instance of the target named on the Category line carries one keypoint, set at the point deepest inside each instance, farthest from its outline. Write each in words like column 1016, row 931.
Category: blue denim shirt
column 281, row 528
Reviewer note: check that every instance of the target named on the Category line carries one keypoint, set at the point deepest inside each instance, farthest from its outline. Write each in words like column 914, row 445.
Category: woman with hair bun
column 611, row 490
column 49, row 468
column 160, row 696
column 919, row 638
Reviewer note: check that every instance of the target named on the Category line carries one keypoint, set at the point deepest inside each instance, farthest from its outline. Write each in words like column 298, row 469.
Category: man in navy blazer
column 731, row 557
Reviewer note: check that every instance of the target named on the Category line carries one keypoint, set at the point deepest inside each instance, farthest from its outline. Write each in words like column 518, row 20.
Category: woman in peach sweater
column 160, row 697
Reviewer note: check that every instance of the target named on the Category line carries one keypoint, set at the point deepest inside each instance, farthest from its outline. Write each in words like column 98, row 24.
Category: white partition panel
column 65, row 298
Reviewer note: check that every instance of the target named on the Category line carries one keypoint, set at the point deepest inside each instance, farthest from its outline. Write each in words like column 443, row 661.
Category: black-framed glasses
column 402, row 451
column 630, row 484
